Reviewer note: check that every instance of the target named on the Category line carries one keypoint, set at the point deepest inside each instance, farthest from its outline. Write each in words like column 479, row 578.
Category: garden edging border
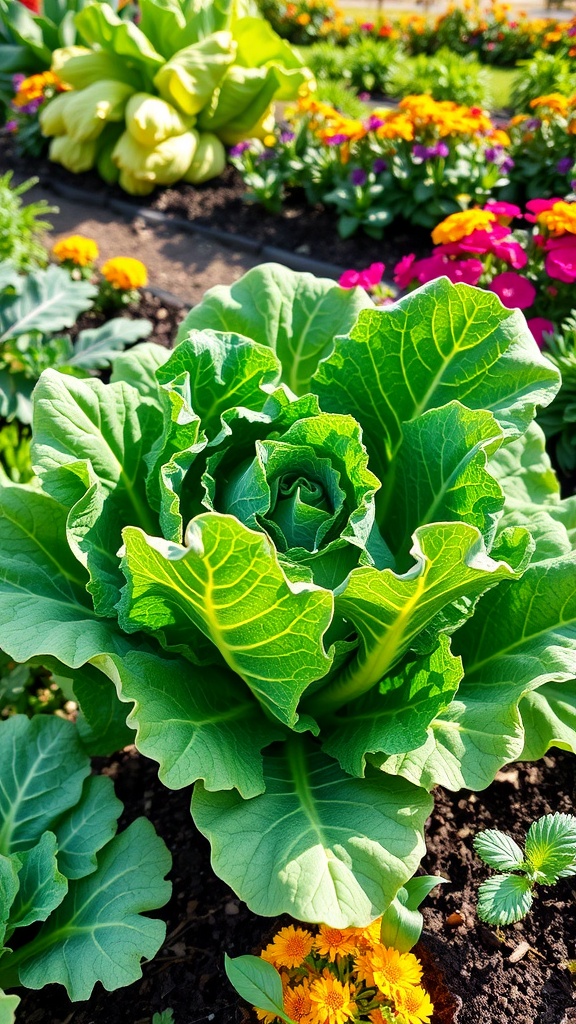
column 232, row 241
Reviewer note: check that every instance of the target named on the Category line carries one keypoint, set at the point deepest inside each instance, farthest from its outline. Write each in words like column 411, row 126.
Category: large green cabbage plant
column 321, row 551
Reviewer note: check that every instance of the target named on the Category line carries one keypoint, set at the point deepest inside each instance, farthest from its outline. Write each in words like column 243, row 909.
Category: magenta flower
column 505, row 212
column 536, row 206
column 404, row 270
column 539, row 327
column 239, row 148
column 11, row 126
column 465, row 271
column 513, row 290
column 336, row 140
column 373, row 123
column 511, row 252
column 561, row 260
column 368, row 278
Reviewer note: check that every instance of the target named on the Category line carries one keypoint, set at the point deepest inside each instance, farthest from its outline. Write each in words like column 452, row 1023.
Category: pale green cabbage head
column 150, row 119
column 209, row 160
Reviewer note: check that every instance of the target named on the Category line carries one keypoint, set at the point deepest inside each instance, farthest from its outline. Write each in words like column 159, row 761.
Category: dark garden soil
column 164, row 317
column 307, row 230
column 520, row 975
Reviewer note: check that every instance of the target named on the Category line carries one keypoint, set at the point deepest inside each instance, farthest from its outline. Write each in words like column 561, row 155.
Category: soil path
column 177, row 261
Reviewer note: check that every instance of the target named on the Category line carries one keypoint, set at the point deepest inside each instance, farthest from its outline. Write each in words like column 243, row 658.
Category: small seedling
column 549, row 854
column 165, row 1017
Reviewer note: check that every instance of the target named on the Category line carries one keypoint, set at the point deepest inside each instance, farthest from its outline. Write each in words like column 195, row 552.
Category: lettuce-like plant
column 63, row 866
column 345, row 571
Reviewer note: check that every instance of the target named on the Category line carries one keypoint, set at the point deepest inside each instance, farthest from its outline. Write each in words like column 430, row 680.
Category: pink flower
column 478, row 241
column 466, row 271
column 512, row 253
column 404, row 271
column 540, row 326
column 431, row 268
column 561, row 262
column 504, row 211
column 367, row 279
column 513, row 290
column 536, row 206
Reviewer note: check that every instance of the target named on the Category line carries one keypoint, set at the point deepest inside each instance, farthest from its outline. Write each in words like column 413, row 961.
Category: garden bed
column 305, row 230
column 205, row 919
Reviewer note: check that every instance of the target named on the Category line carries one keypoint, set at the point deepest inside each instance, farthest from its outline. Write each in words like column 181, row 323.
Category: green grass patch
column 501, row 83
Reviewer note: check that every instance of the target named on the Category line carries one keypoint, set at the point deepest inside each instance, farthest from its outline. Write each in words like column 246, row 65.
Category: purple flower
column 533, row 124
column 358, row 176
column 32, row 106
column 564, row 165
column 239, row 148
column 572, row 30
column 364, row 96
column 379, row 165
column 507, row 164
column 492, row 154
column 336, row 140
column 429, row 152
column 17, row 80
column 573, row 184
column 11, row 126
column 268, row 154
column 442, row 149
column 373, row 123
column 286, row 136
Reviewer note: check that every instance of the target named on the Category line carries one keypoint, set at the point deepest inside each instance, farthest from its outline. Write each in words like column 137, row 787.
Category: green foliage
column 444, row 76
column 63, row 866
column 549, row 854
column 402, row 922
column 21, row 226
column 164, row 1017
column 305, row 547
column 258, row 982
column 341, row 97
column 544, row 74
column 34, row 309
column 558, row 421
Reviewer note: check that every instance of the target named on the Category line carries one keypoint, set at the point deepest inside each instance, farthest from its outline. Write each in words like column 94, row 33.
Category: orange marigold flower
column 304, row 18
column 560, row 219
column 290, row 947
column 363, row 969
column 554, row 101
column 394, row 971
column 332, row 999
column 76, row 249
column 125, row 273
column 332, row 942
column 415, row 1005
column 263, row 1015
column 297, row 1002
column 459, row 225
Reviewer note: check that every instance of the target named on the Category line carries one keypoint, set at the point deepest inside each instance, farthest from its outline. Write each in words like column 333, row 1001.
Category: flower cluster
column 30, row 94
column 530, row 270
column 420, row 160
column 121, row 276
column 333, row 976
column 304, row 21
column 544, row 146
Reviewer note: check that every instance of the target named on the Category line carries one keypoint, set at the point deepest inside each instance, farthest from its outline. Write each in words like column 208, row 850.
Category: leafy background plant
column 21, row 225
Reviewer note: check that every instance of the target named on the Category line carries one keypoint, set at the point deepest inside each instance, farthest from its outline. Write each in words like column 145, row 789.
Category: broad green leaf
column 440, row 342
column 258, row 982
column 520, row 638
column 138, row 368
column 109, row 429
column 216, row 371
column 96, row 348
column 547, row 526
column 98, row 932
column 42, row 886
column 551, row 847
column 317, row 844
column 102, row 720
column 27, row 30
column 194, row 74
column 227, row 584
column 99, row 25
column 296, row 315
column 44, row 608
column 196, row 723
column 504, row 899
column 394, row 717
column 9, row 885
column 402, row 922
column 524, row 471
column 499, row 850
column 549, row 719
column 163, row 23
column 42, row 767
column 389, row 611
column 8, row 1007
column 87, row 827
column 439, row 475
column 48, row 301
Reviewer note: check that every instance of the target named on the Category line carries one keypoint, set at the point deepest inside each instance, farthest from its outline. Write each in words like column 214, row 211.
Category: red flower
column 513, row 290
column 32, row 5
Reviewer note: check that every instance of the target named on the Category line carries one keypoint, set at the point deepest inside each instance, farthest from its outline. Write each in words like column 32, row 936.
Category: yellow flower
column 269, row 140
column 394, row 971
column 290, row 947
column 303, row 19
column 458, row 225
column 331, row 942
column 297, row 1002
column 333, row 1002
column 263, row 1015
column 560, row 219
column 76, row 249
column 415, row 1006
column 125, row 273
